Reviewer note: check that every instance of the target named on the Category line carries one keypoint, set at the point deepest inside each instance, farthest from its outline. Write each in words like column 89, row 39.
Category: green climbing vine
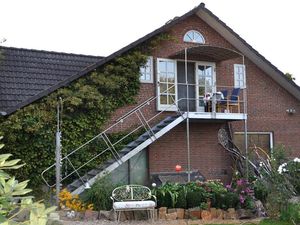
column 29, row 133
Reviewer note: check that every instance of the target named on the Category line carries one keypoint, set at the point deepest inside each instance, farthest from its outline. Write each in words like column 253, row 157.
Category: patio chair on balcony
column 234, row 100
column 222, row 104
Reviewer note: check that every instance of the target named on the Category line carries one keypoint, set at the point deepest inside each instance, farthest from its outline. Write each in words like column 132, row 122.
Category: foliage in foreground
column 279, row 181
column 12, row 196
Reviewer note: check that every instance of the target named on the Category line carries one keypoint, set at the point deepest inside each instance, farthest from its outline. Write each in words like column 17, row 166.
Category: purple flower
column 239, row 182
column 248, row 190
column 242, row 199
column 228, row 186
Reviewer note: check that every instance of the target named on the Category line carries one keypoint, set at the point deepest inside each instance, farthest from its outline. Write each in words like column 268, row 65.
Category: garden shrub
column 280, row 177
column 167, row 194
column 196, row 195
column 181, row 199
column 260, row 191
column 99, row 194
column 291, row 213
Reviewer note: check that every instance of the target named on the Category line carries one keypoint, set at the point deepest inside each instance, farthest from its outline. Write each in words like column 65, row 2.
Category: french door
column 206, row 83
column 167, row 84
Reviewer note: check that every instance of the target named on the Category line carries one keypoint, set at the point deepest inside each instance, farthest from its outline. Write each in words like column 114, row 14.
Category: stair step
column 125, row 150
column 94, row 172
column 77, row 183
column 132, row 144
column 110, row 161
column 87, row 177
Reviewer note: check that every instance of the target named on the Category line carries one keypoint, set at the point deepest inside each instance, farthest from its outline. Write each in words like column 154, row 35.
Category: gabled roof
column 27, row 75
column 208, row 17
column 225, row 31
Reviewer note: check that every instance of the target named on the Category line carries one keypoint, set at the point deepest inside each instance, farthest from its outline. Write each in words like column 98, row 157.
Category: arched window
column 194, row 37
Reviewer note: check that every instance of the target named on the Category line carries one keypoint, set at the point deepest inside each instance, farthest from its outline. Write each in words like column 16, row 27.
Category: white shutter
column 239, row 76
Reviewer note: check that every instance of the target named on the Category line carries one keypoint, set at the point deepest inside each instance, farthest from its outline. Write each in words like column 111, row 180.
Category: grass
column 264, row 222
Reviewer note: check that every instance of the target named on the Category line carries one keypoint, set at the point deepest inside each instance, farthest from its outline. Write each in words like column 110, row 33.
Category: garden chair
column 222, row 104
column 234, row 100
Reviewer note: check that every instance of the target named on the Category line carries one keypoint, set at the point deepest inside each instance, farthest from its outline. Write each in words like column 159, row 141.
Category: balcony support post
column 187, row 118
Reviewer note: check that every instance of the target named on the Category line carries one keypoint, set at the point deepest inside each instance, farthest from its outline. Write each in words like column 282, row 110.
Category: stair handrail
column 120, row 120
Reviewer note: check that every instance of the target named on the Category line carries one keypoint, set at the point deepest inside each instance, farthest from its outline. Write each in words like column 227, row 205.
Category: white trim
column 236, row 74
column 214, row 80
column 151, row 71
column 166, row 107
column 270, row 133
column 194, row 31
column 218, row 116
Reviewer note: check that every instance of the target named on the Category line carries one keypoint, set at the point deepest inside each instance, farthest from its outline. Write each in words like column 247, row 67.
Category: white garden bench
column 133, row 197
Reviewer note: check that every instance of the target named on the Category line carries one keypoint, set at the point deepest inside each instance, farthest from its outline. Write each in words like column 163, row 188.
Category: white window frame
column 165, row 107
column 239, row 77
column 194, row 41
column 149, row 59
column 260, row 132
column 214, row 80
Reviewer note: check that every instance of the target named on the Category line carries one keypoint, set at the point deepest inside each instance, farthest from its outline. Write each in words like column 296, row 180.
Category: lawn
column 264, row 222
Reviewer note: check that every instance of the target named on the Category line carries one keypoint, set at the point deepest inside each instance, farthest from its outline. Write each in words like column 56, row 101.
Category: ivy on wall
column 29, row 133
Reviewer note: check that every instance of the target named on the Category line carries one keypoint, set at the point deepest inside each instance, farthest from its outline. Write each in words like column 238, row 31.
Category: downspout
column 187, row 118
column 245, row 121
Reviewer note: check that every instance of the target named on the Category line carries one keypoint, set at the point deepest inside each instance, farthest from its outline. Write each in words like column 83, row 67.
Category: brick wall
column 267, row 104
column 207, row 155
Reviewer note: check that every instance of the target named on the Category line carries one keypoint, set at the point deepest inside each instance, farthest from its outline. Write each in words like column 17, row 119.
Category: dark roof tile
column 26, row 74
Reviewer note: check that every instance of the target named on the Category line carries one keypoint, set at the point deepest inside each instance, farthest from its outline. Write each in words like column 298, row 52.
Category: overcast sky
column 100, row 27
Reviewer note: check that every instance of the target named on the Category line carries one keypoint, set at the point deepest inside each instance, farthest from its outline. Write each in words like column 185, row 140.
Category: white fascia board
column 249, row 53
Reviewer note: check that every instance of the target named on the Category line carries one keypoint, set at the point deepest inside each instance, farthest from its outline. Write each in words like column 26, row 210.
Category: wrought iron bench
column 133, row 197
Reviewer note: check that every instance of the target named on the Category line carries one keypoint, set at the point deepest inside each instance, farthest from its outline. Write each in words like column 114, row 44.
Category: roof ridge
column 51, row 52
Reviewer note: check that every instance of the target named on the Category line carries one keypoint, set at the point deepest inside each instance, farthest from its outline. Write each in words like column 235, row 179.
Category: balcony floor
column 217, row 116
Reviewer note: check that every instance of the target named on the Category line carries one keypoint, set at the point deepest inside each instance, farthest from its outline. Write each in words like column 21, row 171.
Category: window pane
column 208, row 71
column 201, row 70
column 148, row 77
column 171, row 77
column 260, row 140
column 170, row 67
column 171, row 88
column 163, row 99
column 171, row 99
column 163, row 87
column 162, row 66
column 193, row 36
column 163, row 77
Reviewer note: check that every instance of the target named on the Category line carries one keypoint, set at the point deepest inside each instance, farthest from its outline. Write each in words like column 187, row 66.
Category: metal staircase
column 153, row 127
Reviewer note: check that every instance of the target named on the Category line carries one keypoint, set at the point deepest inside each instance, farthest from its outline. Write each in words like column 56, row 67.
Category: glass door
column 166, row 88
column 206, row 85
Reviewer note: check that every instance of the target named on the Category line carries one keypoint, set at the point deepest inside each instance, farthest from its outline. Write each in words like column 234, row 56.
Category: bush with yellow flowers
column 72, row 202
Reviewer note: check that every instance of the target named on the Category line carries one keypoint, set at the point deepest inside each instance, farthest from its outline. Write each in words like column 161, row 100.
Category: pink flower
column 242, row 199
column 239, row 182
column 228, row 186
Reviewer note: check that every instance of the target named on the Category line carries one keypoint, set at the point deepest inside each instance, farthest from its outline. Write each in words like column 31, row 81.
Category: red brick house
column 205, row 78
